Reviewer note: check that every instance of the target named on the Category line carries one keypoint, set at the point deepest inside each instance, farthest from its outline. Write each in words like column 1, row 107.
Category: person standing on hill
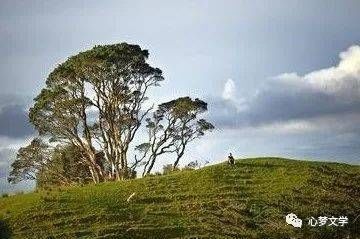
column 231, row 159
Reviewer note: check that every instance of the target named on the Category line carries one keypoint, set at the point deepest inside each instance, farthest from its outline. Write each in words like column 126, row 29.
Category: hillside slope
column 247, row 200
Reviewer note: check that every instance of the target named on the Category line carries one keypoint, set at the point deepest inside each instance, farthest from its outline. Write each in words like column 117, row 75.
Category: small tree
column 49, row 166
column 192, row 165
column 65, row 162
column 171, row 128
column 30, row 160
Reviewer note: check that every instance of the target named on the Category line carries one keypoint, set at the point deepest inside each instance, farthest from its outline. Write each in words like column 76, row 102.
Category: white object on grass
column 130, row 197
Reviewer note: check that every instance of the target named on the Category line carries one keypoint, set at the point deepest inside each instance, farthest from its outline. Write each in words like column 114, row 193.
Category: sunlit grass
column 247, row 200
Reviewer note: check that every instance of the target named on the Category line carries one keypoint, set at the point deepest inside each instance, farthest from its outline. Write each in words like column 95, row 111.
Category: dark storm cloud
column 14, row 122
column 275, row 105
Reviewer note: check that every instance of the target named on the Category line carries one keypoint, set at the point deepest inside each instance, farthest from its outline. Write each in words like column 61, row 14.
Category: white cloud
column 11, row 143
column 323, row 100
column 229, row 90
column 229, row 96
column 289, row 127
column 311, row 125
column 342, row 80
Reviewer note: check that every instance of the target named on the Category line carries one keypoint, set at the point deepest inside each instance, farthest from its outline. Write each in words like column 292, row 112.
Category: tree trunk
column 94, row 177
column 150, row 166
column 181, row 153
column 125, row 170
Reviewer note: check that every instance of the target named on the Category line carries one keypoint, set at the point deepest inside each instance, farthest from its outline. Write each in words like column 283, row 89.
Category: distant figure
column 231, row 159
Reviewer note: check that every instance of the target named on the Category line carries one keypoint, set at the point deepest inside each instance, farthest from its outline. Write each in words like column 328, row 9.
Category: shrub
column 169, row 168
column 192, row 165
column 5, row 195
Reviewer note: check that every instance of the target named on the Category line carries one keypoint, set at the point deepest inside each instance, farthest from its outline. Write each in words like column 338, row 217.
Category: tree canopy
column 93, row 103
column 172, row 126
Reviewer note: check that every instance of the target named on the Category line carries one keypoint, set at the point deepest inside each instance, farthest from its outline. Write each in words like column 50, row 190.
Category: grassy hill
column 248, row 200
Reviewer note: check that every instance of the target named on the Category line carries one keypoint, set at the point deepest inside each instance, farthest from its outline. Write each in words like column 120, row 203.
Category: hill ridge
column 247, row 200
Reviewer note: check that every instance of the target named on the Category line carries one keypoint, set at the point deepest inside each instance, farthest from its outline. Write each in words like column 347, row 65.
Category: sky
column 282, row 78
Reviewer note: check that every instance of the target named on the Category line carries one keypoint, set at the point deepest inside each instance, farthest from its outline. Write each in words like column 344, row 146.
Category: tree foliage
column 48, row 165
column 110, row 81
column 93, row 104
column 65, row 167
column 30, row 160
column 171, row 128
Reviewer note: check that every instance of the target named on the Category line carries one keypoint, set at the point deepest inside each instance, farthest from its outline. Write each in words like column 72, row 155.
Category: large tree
column 95, row 99
column 94, row 103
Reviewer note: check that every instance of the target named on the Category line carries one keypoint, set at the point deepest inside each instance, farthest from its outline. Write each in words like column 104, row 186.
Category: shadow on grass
column 5, row 231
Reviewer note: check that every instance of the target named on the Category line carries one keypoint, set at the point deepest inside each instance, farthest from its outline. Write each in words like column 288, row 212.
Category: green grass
column 248, row 200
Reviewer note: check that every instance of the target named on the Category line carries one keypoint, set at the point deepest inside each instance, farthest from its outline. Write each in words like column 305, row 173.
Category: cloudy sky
column 282, row 78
